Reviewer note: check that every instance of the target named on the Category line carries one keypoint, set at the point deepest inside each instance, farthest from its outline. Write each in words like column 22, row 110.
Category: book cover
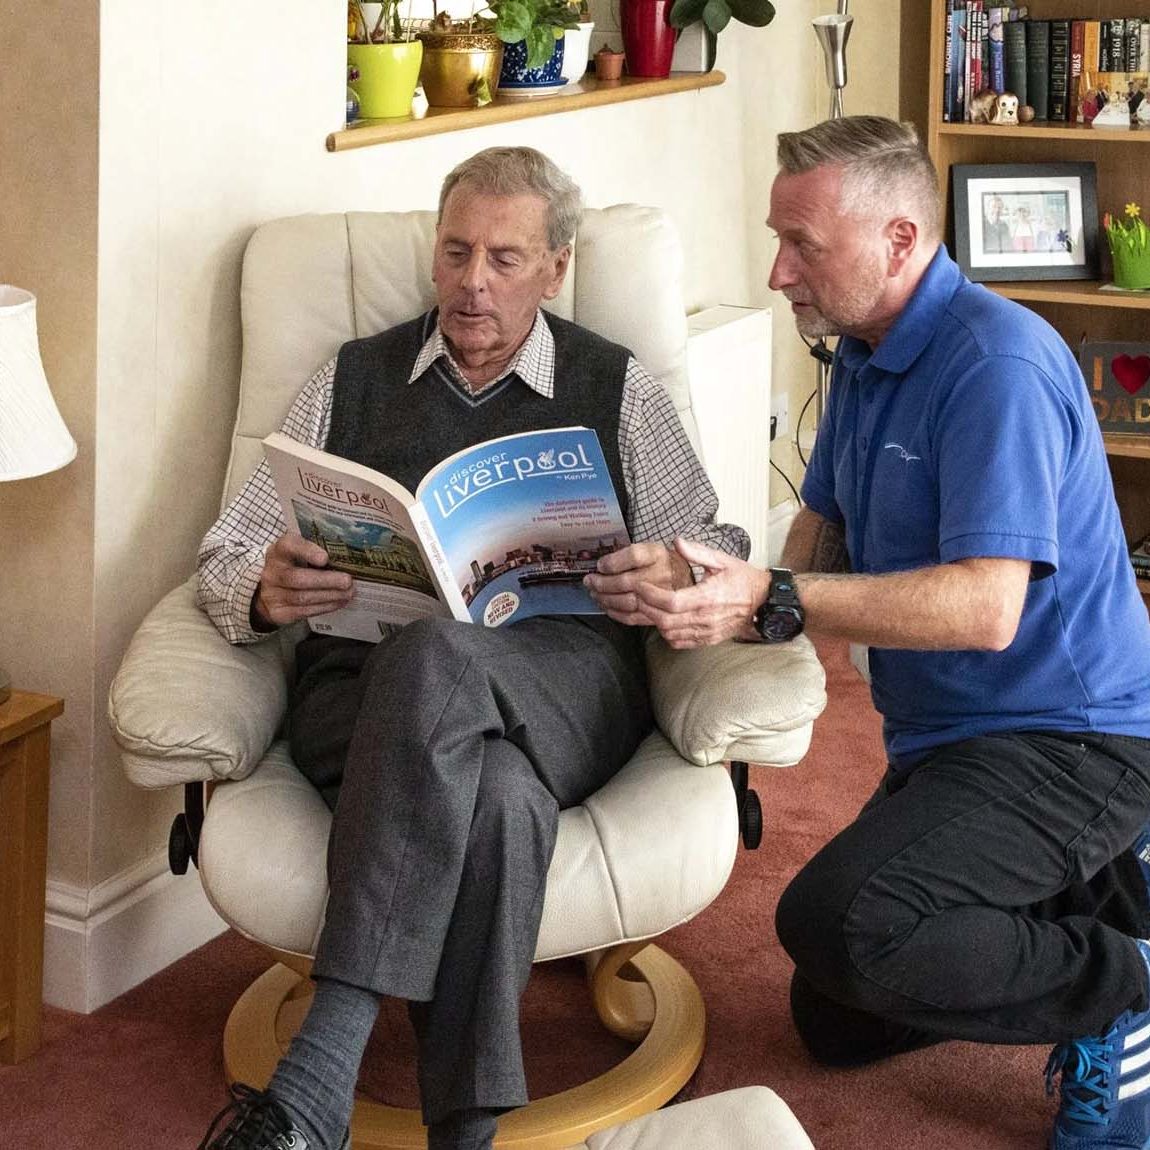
column 1014, row 51
column 1119, row 93
column 522, row 520
column 1118, row 378
column 1038, row 67
column 500, row 532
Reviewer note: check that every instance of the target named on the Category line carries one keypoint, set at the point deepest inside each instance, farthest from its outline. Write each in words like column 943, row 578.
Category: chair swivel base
column 657, row 997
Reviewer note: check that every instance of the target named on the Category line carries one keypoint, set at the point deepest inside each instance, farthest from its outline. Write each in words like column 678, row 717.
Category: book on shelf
column 1038, row 67
column 493, row 534
column 1121, row 90
column 955, row 98
column 996, row 20
column 1014, row 51
column 1140, row 558
column 1133, row 43
column 1059, row 92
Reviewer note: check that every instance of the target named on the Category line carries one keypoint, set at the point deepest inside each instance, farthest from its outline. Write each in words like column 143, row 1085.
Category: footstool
column 750, row 1118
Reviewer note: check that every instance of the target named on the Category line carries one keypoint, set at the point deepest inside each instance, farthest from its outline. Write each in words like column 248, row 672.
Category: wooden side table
column 25, row 720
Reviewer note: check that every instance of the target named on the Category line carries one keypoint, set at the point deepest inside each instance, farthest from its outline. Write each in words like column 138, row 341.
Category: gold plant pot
column 455, row 64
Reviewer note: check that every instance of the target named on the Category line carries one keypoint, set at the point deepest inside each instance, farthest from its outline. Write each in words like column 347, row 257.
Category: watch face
column 779, row 624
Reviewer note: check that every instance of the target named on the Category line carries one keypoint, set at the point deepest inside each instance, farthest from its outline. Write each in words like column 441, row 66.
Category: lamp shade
column 33, row 438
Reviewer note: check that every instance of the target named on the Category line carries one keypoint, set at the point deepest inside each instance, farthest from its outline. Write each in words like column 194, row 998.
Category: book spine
column 1133, row 42
column 948, row 57
column 1115, row 39
column 1077, row 43
column 1059, row 69
column 974, row 48
column 1144, row 47
column 957, row 79
column 1038, row 67
column 1014, row 51
column 995, row 47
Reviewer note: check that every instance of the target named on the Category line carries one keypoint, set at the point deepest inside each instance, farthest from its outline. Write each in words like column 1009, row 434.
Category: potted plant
column 700, row 21
column 461, row 62
column 384, row 56
column 577, row 43
column 533, row 33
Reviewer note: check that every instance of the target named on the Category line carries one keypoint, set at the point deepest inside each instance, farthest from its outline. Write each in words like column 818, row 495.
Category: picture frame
column 1025, row 221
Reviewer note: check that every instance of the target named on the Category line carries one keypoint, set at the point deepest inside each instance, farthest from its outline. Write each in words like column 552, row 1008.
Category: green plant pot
column 388, row 74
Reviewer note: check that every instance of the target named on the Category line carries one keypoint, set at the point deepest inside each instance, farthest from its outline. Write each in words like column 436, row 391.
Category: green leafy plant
column 717, row 14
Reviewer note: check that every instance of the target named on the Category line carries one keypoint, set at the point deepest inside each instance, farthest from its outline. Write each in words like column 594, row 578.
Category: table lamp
column 33, row 438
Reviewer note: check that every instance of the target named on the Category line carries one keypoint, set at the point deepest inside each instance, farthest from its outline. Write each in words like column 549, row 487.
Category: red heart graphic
column 1130, row 371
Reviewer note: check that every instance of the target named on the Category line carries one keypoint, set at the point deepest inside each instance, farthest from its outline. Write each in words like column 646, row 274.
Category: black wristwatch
column 780, row 616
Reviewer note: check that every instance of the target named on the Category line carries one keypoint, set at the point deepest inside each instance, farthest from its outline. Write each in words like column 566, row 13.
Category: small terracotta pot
column 608, row 64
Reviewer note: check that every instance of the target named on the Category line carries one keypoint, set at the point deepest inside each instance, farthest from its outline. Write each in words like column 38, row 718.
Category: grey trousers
column 458, row 747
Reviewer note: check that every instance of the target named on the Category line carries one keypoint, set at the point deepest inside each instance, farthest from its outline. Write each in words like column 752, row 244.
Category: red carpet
column 145, row 1072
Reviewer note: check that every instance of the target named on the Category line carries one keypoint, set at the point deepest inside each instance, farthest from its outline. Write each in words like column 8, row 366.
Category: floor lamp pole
column 832, row 32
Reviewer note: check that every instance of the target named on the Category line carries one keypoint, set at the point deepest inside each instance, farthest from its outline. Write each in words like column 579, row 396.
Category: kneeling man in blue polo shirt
column 960, row 522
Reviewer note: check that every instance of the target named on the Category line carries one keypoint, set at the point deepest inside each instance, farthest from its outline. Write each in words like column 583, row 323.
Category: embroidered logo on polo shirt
column 903, row 454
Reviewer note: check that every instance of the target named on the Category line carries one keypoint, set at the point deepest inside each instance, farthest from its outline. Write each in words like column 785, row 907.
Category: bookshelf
column 1122, row 159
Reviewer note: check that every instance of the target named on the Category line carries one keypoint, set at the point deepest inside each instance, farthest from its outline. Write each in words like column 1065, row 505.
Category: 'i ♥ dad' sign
column 1118, row 376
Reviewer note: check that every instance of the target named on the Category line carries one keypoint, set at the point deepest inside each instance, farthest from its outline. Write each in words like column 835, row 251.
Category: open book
column 499, row 532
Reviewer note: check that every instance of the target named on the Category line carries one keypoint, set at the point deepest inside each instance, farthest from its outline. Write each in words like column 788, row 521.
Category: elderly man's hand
column 615, row 584
column 294, row 584
column 720, row 606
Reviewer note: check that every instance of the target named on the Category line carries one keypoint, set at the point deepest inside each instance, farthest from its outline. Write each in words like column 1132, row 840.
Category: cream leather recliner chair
column 647, row 852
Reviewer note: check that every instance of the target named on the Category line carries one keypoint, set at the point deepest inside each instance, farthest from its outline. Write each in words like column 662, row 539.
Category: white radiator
column 729, row 369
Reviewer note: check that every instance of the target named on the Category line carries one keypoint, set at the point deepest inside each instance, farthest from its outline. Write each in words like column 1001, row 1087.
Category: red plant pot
column 648, row 40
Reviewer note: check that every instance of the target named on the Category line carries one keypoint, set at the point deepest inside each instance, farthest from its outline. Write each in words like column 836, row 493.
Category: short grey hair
column 517, row 172
column 882, row 160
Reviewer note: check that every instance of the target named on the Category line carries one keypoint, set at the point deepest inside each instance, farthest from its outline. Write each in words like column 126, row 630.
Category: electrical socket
column 780, row 409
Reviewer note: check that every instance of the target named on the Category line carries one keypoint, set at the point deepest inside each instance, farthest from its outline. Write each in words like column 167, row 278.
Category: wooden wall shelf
column 1080, row 293
column 1049, row 131
column 586, row 93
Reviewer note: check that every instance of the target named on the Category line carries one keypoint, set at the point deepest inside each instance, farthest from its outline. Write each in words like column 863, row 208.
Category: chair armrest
column 734, row 700
column 186, row 705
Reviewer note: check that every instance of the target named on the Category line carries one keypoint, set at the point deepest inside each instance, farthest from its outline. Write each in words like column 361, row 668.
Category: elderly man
column 989, row 889
column 453, row 747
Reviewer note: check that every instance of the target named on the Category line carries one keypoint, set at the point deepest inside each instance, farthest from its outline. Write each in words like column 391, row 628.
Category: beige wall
column 208, row 119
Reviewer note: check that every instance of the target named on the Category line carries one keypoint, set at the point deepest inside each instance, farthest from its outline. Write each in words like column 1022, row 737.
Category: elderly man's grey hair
column 883, row 164
column 517, row 172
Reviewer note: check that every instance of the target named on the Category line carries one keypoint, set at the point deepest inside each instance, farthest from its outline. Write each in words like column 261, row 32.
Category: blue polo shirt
column 968, row 432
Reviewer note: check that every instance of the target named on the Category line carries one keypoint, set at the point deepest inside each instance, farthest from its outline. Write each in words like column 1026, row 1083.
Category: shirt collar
column 917, row 323
column 533, row 363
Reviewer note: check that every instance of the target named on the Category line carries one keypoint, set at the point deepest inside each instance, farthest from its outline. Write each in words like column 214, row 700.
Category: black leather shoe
column 257, row 1122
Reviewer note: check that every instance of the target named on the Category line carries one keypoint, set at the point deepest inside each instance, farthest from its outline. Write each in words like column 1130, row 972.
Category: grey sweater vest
column 403, row 430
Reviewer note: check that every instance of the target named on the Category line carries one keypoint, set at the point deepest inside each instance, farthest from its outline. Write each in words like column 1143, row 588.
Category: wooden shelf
column 1080, row 293
column 1049, row 131
column 1128, row 446
column 585, row 93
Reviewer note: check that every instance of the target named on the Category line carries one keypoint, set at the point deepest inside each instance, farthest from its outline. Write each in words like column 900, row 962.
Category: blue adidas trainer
column 1105, row 1086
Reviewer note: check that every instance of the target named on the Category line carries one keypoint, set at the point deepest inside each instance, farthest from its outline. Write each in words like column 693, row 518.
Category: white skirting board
column 101, row 942
column 780, row 523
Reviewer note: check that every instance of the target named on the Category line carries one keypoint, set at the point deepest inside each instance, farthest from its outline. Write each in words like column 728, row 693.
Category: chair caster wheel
column 181, row 849
column 751, row 820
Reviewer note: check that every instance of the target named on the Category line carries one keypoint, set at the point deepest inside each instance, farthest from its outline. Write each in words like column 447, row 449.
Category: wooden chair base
column 639, row 992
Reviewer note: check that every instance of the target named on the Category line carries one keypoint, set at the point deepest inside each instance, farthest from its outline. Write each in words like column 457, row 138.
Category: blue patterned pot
column 515, row 74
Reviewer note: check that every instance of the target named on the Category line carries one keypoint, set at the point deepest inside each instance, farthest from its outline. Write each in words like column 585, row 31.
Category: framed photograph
column 1025, row 221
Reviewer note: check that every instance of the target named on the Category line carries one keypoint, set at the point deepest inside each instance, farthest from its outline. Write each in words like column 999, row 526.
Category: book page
column 362, row 520
column 521, row 520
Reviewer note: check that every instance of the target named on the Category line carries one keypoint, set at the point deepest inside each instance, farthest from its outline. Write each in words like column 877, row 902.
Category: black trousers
column 453, row 748
column 987, row 894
